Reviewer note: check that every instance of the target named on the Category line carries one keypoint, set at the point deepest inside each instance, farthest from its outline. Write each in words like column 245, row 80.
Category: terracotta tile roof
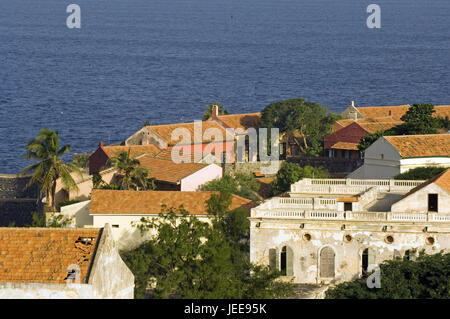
column 167, row 170
column 43, row 255
column 348, row 199
column 165, row 131
column 442, row 180
column 421, row 145
column 396, row 111
column 342, row 124
column 373, row 127
column 243, row 121
column 135, row 150
column 442, row 111
column 167, row 155
column 345, row 146
column 149, row 202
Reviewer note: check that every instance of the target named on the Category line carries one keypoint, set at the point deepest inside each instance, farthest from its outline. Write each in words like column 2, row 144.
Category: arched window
column 286, row 261
column 327, row 261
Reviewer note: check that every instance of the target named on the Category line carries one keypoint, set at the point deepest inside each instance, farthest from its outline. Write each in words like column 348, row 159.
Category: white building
column 333, row 230
column 122, row 209
column 392, row 155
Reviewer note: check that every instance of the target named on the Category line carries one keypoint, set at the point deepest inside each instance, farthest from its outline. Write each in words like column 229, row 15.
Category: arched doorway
column 327, row 262
column 367, row 260
column 287, row 261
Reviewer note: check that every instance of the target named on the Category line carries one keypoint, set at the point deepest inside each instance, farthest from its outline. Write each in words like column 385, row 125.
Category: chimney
column 215, row 111
column 101, row 144
column 353, row 103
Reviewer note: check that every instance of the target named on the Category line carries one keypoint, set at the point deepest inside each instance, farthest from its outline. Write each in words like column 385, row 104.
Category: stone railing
column 349, row 216
column 301, row 203
column 352, row 186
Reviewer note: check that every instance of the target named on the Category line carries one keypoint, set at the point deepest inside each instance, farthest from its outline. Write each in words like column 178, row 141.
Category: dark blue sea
column 165, row 60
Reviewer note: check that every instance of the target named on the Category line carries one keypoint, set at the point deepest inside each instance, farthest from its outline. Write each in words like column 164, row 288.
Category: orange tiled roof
column 442, row 111
column 348, row 199
column 345, row 146
column 43, row 255
column 135, row 150
column 421, row 145
column 165, row 131
column 243, row 121
column 373, row 127
column 167, row 170
column 343, row 123
column 167, row 155
column 396, row 111
column 149, row 202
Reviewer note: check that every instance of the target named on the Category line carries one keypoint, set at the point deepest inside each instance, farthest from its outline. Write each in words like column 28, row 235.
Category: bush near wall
column 421, row 173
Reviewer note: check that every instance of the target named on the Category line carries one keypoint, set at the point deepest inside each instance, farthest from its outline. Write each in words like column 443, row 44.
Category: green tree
column 369, row 139
column 418, row 120
column 306, row 123
column 291, row 173
column 208, row 111
column 421, row 173
column 426, row 277
column 55, row 220
column 239, row 184
column 45, row 149
column 189, row 258
column 131, row 175
column 80, row 160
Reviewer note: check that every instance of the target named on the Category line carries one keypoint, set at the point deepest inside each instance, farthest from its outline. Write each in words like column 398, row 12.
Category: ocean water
column 165, row 60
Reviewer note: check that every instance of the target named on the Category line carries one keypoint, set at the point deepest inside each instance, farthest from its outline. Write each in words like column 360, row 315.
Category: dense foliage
column 189, row 258
column 290, row 173
column 130, row 174
column 239, row 184
column 426, row 277
column 421, row 173
column 306, row 123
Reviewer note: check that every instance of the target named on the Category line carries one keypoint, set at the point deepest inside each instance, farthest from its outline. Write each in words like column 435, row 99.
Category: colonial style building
column 334, row 230
column 62, row 263
column 392, row 155
column 122, row 208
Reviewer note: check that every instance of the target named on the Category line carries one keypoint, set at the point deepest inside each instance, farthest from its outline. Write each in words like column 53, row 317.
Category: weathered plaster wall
column 418, row 201
column 110, row 276
column 348, row 255
column 79, row 212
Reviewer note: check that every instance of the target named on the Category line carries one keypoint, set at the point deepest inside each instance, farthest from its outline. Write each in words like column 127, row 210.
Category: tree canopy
column 426, row 277
column 290, row 173
column 304, row 122
column 417, row 120
column 46, row 151
column 131, row 176
column 188, row 258
column 239, row 184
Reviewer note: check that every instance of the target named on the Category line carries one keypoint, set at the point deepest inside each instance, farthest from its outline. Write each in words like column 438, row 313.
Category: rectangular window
column 348, row 207
column 432, row 202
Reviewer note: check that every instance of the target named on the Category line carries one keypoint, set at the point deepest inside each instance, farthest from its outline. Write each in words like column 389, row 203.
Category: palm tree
column 132, row 175
column 50, row 167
